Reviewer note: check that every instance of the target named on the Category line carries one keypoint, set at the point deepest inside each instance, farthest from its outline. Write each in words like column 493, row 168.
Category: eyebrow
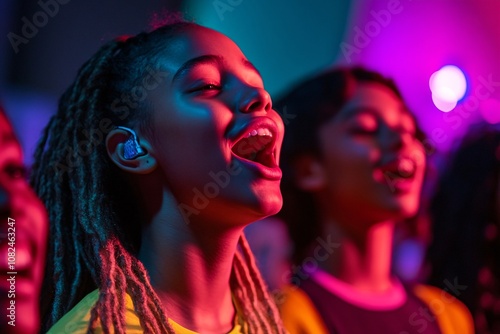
column 208, row 60
column 251, row 66
column 369, row 110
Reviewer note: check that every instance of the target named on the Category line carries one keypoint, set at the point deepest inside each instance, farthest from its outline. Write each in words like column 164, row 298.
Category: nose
column 396, row 139
column 255, row 99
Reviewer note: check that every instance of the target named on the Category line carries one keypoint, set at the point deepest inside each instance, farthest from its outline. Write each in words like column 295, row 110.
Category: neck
column 190, row 268
column 363, row 259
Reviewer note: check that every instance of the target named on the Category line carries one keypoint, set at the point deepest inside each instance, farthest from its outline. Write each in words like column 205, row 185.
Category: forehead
column 376, row 99
column 196, row 41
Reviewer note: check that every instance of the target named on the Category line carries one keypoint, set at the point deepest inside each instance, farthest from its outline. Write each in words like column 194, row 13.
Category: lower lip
column 402, row 186
column 396, row 185
column 270, row 173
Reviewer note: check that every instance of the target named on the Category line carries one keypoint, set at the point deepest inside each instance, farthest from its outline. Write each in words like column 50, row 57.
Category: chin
column 267, row 205
column 410, row 206
column 243, row 209
column 405, row 210
column 265, row 199
column 273, row 207
column 395, row 208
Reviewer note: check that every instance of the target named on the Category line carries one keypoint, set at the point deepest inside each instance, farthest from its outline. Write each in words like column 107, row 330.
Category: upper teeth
column 259, row 132
column 406, row 166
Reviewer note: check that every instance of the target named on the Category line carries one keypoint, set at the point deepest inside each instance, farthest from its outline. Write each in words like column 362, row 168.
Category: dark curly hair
column 466, row 226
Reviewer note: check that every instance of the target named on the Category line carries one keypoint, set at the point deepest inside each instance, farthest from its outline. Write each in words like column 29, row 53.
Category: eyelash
column 15, row 172
column 206, row 87
column 364, row 131
column 211, row 86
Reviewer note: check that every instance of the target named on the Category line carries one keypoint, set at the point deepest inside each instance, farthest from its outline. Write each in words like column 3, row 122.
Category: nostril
column 268, row 106
column 258, row 105
column 258, row 99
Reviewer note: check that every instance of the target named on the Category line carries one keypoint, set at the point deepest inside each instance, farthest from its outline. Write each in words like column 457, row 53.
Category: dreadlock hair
column 94, row 232
column 312, row 103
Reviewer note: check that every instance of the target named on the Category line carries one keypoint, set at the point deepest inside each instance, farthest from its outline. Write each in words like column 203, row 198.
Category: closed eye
column 364, row 131
column 206, row 87
column 15, row 171
column 210, row 87
column 364, row 123
column 365, row 127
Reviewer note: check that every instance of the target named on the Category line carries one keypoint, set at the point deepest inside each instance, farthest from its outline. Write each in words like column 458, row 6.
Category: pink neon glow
column 490, row 111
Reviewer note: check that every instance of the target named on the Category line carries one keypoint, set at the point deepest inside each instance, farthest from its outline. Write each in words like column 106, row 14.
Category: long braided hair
column 93, row 243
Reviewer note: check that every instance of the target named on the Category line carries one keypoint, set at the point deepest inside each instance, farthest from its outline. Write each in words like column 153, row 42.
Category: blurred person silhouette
column 465, row 212
column 23, row 228
column 353, row 166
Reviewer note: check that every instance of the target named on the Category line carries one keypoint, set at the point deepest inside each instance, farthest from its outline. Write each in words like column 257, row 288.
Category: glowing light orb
column 448, row 86
column 443, row 105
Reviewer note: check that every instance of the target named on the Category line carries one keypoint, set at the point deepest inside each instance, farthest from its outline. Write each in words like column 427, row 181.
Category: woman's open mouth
column 398, row 174
column 402, row 167
column 256, row 144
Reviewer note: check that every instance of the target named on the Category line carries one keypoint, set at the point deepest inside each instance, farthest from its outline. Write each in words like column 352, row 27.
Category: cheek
column 350, row 164
column 418, row 155
column 188, row 148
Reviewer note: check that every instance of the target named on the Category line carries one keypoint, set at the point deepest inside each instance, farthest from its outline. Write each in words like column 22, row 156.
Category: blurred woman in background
column 23, row 237
column 353, row 164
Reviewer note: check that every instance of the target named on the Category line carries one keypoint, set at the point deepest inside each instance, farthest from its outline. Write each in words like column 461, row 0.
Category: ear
column 309, row 173
column 115, row 146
